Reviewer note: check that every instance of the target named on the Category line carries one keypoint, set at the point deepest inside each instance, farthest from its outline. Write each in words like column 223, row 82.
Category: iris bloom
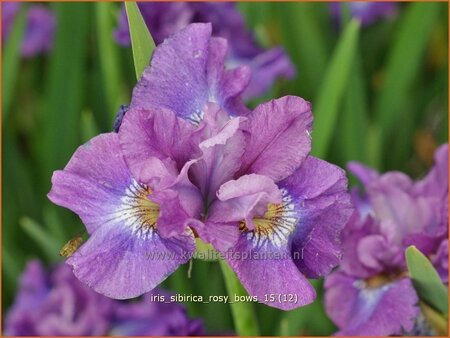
column 371, row 294
column 55, row 303
column 164, row 19
column 39, row 30
column 189, row 159
column 367, row 12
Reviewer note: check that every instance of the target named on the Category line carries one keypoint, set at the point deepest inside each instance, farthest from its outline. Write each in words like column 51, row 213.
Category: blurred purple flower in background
column 370, row 294
column 55, row 303
column 39, row 30
column 9, row 12
column 164, row 19
column 366, row 11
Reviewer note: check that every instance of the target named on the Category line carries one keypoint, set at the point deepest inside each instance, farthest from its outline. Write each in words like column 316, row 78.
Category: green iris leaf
column 141, row 40
column 426, row 280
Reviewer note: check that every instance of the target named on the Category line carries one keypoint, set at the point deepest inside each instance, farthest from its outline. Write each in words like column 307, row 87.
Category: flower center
column 138, row 211
column 276, row 225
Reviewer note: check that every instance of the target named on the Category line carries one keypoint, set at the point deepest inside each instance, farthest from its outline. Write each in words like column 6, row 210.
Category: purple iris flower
column 277, row 217
column 148, row 317
column 131, row 209
column 367, row 12
column 164, row 19
column 189, row 158
column 187, row 72
column 9, row 12
column 371, row 294
column 55, row 303
column 39, row 30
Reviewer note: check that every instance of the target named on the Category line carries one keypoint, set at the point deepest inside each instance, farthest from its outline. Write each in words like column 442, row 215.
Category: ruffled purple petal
column 179, row 79
column 360, row 310
column 94, row 181
column 398, row 211
column 362, row 172
column 433, row 184
column 222, row 145
column 244, row 198
column 221, row 235
column 319, row 195
column 279, row 137
column 356, row 229
column 121, row 263
column 156, row 132
column 123, row 221
column 226, row 84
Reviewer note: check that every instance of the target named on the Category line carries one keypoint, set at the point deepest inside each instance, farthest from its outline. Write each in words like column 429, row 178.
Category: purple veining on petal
column 279, row 137
column 187, row 72
column 122, row 219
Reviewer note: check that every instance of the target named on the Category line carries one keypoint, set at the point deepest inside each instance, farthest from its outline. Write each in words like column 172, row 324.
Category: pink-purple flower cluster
column 371, row 293
column 190, row 160
column 39, row 29
column 55, row 303
column 367, row 12
column 165, row 18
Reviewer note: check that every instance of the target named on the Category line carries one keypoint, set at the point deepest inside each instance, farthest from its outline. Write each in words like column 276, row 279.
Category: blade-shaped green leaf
column 109, row 56
column 43, row 238
column 403, row 64
column 426, row 280
column 88, row 126
column 310, row 59
column 333, row 88
column 244, row 317
column 141, row 40
column 59, row 133
column 11, row 61
column 353, row 123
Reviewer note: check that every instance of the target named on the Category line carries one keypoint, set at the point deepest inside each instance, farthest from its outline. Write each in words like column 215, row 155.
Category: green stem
column 244, row 316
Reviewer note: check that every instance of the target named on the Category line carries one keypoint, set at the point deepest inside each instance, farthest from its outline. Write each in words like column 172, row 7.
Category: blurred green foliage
column 386, row 106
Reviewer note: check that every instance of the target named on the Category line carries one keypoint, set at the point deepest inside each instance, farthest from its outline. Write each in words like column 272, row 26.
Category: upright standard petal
column 178, row 78
column 125, row 255
column 279, row 137
column 155, row 132
column 222, row 144
column 245, row 198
